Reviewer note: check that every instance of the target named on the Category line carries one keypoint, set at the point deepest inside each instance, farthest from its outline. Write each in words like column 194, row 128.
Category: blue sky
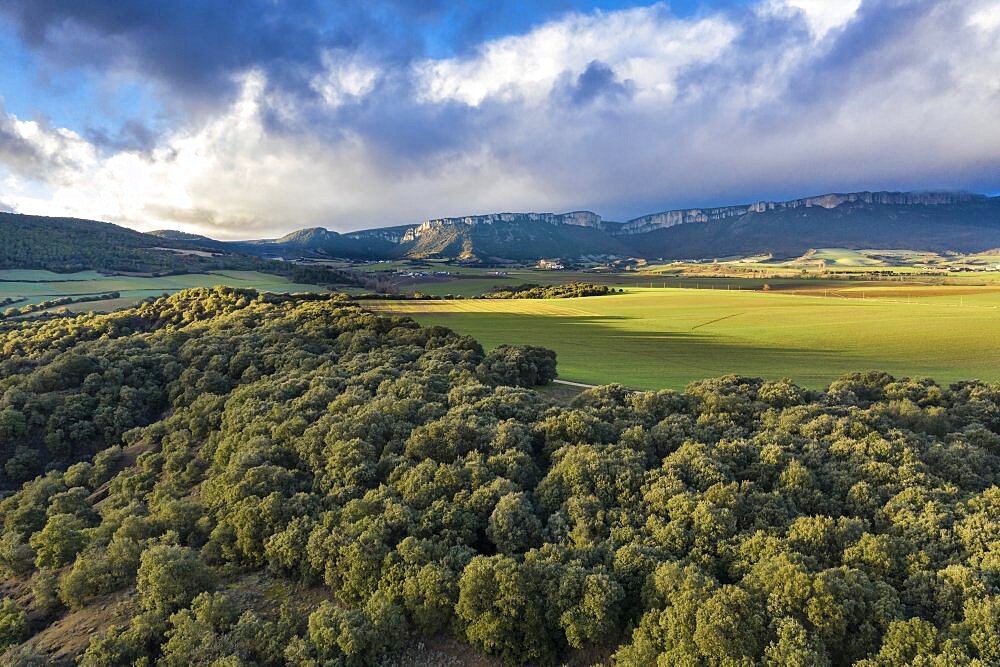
column 255, row 118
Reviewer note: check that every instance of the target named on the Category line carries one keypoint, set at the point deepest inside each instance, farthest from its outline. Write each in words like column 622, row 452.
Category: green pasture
column 34, row 275
column 38, row 286
column 473, row 284
column 841, row 257
column 653, row 338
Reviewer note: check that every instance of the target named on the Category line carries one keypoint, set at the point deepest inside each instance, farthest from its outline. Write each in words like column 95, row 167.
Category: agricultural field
column 842, row 263
column 655, row 338
column 30, row 287
column 822, row 268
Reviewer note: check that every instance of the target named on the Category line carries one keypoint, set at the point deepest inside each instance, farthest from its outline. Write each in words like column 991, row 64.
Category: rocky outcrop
column 653, row 221
column 576, row 218
column 390, row 234
column 580, row 218
column 665, row 219
column 307, row 237
column 830, row 220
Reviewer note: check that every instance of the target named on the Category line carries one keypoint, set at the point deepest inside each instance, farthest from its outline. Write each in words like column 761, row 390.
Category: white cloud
column 718, row 110
column 345, row 76
column 234, row 179
column 646, row 45
column 823, row 15
column 987, row 19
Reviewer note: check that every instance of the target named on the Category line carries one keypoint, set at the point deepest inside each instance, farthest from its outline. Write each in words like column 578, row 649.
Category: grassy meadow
column 31, row 287
column 653, row 338
column 674, row 323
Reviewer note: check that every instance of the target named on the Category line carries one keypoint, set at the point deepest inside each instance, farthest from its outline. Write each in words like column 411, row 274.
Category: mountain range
column 938, row 221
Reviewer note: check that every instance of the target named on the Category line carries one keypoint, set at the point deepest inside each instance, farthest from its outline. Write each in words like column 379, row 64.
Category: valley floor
column 27, row 287
column 656, row 338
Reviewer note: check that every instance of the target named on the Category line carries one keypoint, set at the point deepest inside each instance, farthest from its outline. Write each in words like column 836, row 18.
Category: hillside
column 174, row 235
column 319, row 242
column 916, row 221
column 65, row 245
column 972, row 225
column 222, row 477
column 519, row 238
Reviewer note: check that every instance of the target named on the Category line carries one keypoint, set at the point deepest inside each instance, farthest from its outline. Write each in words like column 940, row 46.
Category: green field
column 30, row 287
column 654, row 338
column 819, row 268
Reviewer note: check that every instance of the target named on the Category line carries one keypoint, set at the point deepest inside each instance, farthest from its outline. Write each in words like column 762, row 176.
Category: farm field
column 821, row 268
column 37, row 286
column 666, row 338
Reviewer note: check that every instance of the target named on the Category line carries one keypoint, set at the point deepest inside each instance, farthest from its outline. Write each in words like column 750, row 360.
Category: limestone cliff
column 577, row 218
column 653, row 221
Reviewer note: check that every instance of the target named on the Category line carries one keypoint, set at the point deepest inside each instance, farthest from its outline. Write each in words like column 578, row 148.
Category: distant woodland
column 231, row 478
column 567, row 291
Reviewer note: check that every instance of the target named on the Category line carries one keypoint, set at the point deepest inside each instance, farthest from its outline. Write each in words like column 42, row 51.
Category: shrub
column 13, row 623
column 170, row 577
column 518, row 365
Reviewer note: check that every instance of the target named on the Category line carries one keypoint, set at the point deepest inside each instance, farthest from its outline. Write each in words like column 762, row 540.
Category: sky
column 251, row 119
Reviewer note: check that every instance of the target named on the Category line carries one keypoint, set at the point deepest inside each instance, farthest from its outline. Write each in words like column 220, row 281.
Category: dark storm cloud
column 596, row 82
column 6, row 208
column 16, row 153
column 193, row 48
column 133, row 135
column 875, row 46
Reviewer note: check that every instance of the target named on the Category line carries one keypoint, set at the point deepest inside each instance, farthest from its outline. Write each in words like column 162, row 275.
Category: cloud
column 17, row 152
column 822, row 16
column 236, row 179
column 646, row 45
column 598, row 81
column 133, row 135
column 198, row 52
column 623, row 112
column 32, row 149
column 193, row 49
column 6, row 208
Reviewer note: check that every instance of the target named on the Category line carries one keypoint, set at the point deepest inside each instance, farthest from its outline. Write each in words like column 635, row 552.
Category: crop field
column 657, row 338
column 36, row 286
column 822, row 268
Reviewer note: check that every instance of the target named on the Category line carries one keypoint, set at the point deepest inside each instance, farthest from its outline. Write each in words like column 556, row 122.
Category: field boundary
column 570, row 383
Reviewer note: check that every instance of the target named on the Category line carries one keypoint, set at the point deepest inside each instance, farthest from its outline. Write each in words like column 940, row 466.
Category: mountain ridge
column 919, row 220
column 938, row 219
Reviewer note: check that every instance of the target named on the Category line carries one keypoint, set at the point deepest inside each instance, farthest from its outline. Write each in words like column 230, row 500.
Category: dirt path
column 575, row 384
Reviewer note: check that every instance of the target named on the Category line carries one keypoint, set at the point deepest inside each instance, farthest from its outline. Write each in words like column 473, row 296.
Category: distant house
column 550, row 264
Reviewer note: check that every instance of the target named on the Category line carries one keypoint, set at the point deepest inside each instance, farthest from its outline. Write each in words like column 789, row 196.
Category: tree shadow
column 600, row 349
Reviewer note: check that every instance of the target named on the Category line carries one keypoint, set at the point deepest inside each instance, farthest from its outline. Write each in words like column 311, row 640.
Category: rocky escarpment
column 666, row 219
column 915, row 220
column 654, row 221
column 390, row 234
column 576, row 218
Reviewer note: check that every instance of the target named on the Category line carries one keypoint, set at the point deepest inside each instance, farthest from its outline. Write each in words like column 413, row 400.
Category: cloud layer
column 623, row 112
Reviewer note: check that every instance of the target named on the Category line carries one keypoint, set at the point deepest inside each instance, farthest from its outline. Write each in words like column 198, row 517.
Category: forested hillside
column 65, row 245
column 231, row 478
column 70, row 244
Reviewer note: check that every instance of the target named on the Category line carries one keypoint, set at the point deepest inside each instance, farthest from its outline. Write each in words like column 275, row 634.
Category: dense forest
column 564, row 291
column 65, row 245
column 55, row 303
column 229, row 478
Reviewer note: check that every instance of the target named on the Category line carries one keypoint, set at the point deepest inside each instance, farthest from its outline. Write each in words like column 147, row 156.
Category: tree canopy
column 275, row 479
